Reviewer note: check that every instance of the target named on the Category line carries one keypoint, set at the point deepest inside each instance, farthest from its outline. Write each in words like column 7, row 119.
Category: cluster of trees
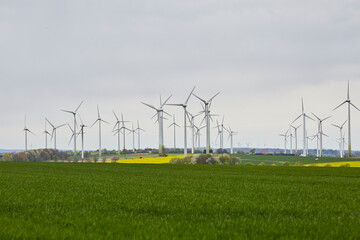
column 211, row 159
column 36, row 155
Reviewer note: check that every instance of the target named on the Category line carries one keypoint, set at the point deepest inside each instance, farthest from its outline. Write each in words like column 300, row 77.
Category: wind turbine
column 304, row 115
column 320, row 130
column 220, row 128
column 295, row 130
column 348, row 101
column 307, row 141
column 231, row 134
column 192, row 126
column 285, row 140
column 26, row 130
column 82, row 126
column 74, row 114
column 197, row 135
column 184, row 105
column 117, row 131
column 341, row 138
column 139, row 129
column 160, row 118
column 207, row 117
column 175, row 125
column 99, row 120
column 46, row 133
column 53, row 133
column 133, row 131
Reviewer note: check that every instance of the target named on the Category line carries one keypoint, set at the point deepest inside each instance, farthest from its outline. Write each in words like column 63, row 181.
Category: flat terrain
column 106, row 201
column 279, row 159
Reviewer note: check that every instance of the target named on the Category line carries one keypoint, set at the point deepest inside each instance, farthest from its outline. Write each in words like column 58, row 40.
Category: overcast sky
column 263, row 56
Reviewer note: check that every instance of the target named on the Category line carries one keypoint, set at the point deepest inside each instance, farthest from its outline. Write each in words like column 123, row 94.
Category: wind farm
column 179, row 120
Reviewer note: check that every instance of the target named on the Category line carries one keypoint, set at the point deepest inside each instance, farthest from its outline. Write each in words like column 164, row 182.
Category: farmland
column 96, row 201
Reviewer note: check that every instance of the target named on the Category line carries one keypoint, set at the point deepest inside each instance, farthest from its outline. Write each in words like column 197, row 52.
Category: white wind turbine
column 133, row 131
column 285, row 140
column 295, row 131
column 231, row 134
column 341, row 138
column 192, row 126
column 220, row 128
column 139, row 130
column 207, row 118
column 53, row 133
column 175, row 125
column 122, row 128
column 118, row 130
column 320, row 132
column 46, row 133
column 304, row 115
column 160, row 119
column 117, row 124
column 197, row 135
column 184, row 105
column 98, row 120
column 348, row 101
column 26, row 130
column 74, row 114
column 82, row 126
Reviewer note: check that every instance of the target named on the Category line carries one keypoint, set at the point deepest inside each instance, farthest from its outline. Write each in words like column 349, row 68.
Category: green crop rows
column 124, row 201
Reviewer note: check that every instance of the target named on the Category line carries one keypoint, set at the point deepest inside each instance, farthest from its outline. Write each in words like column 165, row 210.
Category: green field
column 40, row 200
column 279, row 159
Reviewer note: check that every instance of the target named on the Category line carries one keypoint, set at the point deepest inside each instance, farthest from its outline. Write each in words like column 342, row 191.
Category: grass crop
column 42, row 200
column 280, row 159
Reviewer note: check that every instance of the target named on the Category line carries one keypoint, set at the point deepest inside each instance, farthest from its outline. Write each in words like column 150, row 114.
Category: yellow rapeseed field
column 336, row 164
column 154, row 160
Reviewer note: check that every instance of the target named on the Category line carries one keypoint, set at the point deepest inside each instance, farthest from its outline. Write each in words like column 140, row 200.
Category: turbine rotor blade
column 150, row 106
column 79, row 106
column 354, row 106
column 200, row 98
column 340, row 105
column 189, row 96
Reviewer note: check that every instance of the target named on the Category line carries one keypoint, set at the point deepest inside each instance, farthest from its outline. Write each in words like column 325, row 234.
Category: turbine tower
column 139, row 130
column 53, row 133
column 26, row 130
column 295, row 131
column 304, row 115
column 320, row 132
column 184, row 105
column 74, row 114
column 348, row 101
column 99, row 120
column 175, row 125
column 207, row 117
column 231, row 134
column 160, row 119
column 46, row 133
column 341, row 138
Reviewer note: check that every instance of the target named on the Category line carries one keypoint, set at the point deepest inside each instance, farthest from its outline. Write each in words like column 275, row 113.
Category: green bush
column 286, row 164
column 229, row 160
column 249, row 164
column 299, row 164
